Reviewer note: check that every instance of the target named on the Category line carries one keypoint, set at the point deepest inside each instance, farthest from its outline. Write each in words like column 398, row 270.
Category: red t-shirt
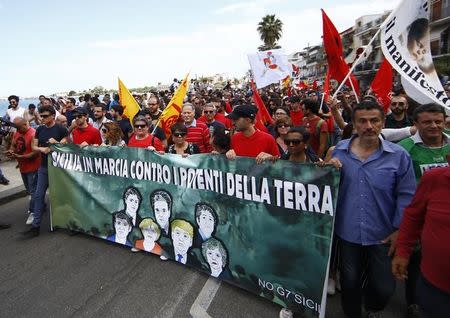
column 89, row 134
column 148, row 141
column 23, row 143
column 251, row 146
column 428, row 218
column 311, row 125
column 296, row 117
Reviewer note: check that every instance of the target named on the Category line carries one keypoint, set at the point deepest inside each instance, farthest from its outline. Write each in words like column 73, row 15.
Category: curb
column 12, row 194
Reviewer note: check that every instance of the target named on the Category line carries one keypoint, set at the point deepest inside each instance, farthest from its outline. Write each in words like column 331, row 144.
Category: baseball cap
column 80, row 110
column 246, row 111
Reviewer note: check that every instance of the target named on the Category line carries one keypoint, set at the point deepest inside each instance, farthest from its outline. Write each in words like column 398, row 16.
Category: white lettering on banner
column 289, row 294
column 282, row 193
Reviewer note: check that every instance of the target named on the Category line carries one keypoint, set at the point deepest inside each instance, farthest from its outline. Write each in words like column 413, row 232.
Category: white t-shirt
column 13, row 113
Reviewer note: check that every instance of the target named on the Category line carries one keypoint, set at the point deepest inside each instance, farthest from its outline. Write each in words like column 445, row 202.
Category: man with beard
column 380, row 177
column 249, row 142
column 99, row 116
column 84, row 134
column 399, row 117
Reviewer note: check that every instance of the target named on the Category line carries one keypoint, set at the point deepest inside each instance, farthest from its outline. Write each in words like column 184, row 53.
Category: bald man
column 62, row 120
column 27, row 159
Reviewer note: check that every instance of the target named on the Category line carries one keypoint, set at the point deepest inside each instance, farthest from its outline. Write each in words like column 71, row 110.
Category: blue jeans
column 365, row 274
column 433, row 302
column 39, row 199
column 30, row 181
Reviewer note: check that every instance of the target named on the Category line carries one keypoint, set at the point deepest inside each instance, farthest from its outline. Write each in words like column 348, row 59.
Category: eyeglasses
column 179, row 134
column 140, row 126
column 294, row 142
column 104, row 130
column 398, row 103
column 208, row 111
column 283, row 126
column 45, row 115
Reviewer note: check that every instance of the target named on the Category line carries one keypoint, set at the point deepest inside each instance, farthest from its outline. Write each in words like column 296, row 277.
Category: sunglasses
column 208, row 111
column 283, row 126
column 398, row 103
column 140, row 126
column 104, row 130
column 294, row 142
column 79, row 116
column 179, row 134
column 45, row 116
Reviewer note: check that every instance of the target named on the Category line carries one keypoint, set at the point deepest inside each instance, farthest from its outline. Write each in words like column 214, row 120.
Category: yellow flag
column 171, row 113
column 131, row 107
column 286, row 82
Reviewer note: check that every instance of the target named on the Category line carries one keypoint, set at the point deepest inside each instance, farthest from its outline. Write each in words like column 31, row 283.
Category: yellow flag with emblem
column 130, row 105
column 171, row 113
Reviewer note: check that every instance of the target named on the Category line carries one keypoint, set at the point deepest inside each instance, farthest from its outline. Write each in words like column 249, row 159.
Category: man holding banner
column 377, row 182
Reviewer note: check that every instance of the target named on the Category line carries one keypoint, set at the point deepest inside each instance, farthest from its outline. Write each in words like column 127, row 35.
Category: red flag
column 314, row 85
column 332, row 43
column 382, row 84
column 263, row 117
column 302, row 85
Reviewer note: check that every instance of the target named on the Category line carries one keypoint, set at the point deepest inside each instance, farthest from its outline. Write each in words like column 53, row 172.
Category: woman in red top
column 141, row 137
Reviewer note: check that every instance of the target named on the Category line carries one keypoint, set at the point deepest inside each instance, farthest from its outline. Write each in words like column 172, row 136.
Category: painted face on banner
column 122, row 228
column 162, row 213
column 181, row 240
column 205, row 222
column 149, row 234
column 132, row 203
column 214, row 259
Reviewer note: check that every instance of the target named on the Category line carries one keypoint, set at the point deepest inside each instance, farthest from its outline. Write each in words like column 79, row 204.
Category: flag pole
column 354, row 65
column 354, row 91
column 157, row 124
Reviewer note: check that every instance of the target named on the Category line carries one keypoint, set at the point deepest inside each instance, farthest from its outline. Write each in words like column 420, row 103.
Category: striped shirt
column 198, row 133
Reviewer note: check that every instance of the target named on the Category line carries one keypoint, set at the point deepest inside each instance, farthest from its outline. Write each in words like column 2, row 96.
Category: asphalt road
column 59, row 275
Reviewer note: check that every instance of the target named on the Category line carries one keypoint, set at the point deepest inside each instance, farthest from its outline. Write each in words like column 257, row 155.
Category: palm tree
column 270, row 29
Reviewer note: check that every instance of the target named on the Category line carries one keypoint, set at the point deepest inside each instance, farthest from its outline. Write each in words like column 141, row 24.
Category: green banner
column 266, row 228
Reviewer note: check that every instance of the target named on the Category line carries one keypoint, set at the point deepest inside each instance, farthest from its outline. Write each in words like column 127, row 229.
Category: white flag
column 405, row 41
column 269, row 67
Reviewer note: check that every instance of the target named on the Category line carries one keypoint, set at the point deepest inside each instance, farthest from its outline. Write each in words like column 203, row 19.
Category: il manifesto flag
column 269, row 67
column 266, row 228
column 405, row 41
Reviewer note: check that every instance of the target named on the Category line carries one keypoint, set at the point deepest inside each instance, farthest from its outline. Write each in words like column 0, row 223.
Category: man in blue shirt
column 377, row 183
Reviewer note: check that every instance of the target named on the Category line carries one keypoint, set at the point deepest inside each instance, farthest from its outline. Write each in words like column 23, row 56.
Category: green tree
column 72, row 93
column 270, row 30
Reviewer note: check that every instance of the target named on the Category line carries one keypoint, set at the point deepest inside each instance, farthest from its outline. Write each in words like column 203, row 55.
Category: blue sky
column 53, row 46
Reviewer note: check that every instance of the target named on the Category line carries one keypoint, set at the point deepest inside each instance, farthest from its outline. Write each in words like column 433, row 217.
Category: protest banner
column 269, row 67
column 405, row 41
column 266, row 228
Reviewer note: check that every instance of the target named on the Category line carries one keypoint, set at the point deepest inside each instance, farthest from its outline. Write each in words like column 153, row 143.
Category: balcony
column 440, row 13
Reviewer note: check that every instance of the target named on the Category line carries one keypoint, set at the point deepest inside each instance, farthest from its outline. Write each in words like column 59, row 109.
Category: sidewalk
column 15, row 189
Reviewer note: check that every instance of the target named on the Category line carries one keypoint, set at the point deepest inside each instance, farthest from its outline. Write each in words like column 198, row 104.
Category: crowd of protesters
column 384, row 227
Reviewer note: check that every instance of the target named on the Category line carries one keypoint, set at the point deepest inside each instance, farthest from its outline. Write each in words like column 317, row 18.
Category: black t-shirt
column 126, row 128
column 159, row 133
column 44, row 133
column 392, row 123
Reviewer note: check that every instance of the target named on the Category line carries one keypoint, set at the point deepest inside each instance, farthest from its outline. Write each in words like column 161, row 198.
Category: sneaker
column 4, row 181
column 331, row 288
column 413, row 311
column 30, row 219
column 374, row 314
column 286, row 313
column 32, row 232
column 135, row 250
column 4, row 226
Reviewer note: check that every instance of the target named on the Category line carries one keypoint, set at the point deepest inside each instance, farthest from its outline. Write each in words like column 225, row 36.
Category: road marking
column 201, row 304
column 171, row 305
